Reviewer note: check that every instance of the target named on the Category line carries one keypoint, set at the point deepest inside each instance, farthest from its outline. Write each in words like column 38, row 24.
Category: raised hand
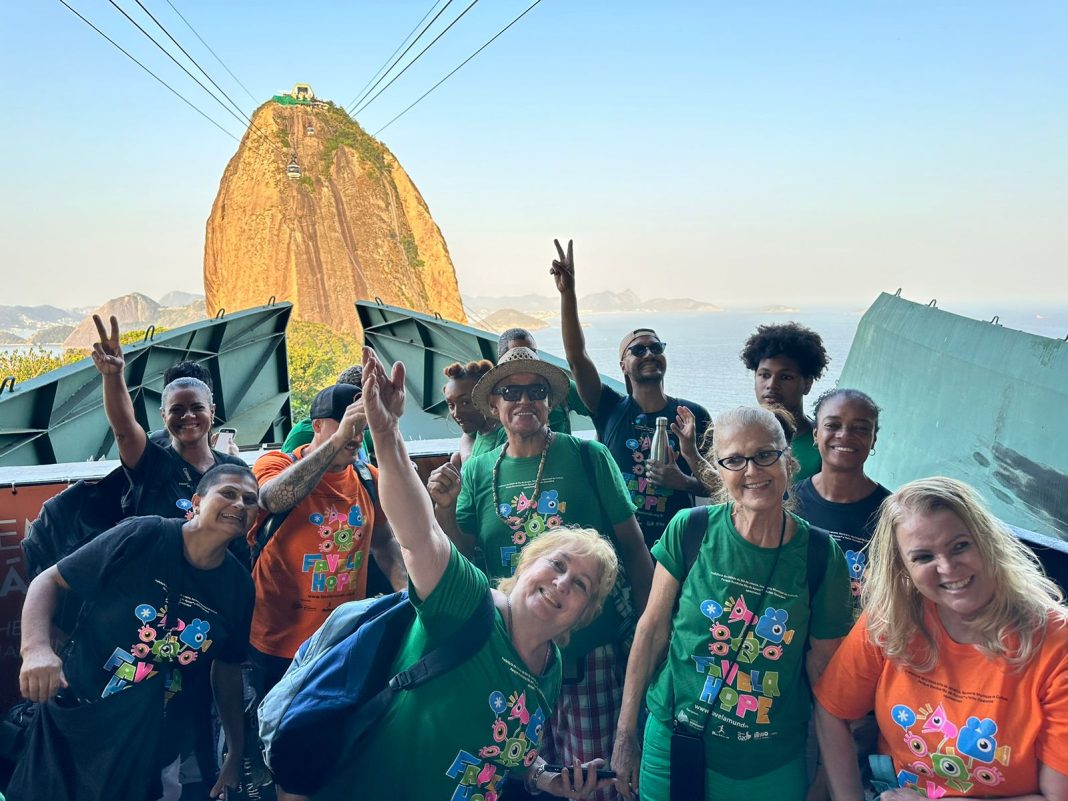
column 563, row 269
column 107, row 353
column 383, row 396
column 444, row 485
column 685, row 428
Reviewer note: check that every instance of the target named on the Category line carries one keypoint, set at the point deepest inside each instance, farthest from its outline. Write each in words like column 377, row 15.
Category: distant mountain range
column 51, row 326
column 543, row 306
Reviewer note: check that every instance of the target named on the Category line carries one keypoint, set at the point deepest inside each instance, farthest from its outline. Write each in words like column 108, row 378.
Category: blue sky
column 737, row 153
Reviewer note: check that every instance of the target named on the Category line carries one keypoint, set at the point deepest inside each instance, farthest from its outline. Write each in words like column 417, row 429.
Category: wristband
column 532, row 778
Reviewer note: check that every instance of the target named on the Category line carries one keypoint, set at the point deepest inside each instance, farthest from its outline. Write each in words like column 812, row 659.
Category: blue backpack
column 340, row 681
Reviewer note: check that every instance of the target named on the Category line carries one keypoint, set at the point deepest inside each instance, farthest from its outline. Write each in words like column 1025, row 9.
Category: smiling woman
column 163, row 476
column 963, row 646
column 171, row 588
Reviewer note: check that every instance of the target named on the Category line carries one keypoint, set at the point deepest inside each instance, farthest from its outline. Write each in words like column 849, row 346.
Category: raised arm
column 107, row 356
column 424, row 546
column 41, row 676
column 296, row 482
column 587, row 379
column 646, row 654
column 444, row 485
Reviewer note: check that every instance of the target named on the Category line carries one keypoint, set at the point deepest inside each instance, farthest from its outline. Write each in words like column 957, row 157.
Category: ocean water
column 703, row 349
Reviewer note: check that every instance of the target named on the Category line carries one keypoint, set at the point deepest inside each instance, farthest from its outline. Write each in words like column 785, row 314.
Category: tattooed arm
column 298, row 480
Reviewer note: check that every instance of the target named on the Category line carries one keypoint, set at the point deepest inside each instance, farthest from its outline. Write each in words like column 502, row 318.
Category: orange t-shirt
column 969, row 727
column 316, row 561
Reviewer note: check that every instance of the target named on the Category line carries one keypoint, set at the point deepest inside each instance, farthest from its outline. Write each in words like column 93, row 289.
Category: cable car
column 293, row 170
column 310, row 130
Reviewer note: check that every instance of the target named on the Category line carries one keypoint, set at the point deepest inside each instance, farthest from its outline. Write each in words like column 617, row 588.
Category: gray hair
column 185, row 382
column 738, row 418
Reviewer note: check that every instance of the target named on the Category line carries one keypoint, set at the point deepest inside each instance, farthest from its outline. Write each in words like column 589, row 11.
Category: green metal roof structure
column 427, row 344
column 59, row 416
column 967, row 399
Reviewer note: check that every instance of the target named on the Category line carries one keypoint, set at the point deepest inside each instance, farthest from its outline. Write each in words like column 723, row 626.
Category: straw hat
column 520, row 360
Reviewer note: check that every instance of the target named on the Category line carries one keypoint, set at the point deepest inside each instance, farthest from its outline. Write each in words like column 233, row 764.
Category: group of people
column 808, row 634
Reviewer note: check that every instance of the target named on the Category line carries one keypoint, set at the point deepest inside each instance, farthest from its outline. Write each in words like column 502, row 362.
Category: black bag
column 105, row 751
column 687, row 765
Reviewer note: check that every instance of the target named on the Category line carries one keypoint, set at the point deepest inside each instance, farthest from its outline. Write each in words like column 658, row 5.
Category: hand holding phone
column 602, row 773
column 224, row 440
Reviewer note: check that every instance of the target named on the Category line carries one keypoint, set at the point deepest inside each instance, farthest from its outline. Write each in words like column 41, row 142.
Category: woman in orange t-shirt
column 962, row 652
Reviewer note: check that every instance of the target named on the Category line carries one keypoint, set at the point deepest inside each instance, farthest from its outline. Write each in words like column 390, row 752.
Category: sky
column 738, row 153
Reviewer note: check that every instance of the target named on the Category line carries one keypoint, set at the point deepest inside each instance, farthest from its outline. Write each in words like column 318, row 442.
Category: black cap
column 332, row 402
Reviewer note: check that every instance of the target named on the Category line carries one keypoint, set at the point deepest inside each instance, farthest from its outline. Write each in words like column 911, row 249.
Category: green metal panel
column 427, row 344
column 59, row 416
column 967, row 399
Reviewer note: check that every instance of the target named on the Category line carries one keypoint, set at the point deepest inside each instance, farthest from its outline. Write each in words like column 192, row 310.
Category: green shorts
column 786, row 782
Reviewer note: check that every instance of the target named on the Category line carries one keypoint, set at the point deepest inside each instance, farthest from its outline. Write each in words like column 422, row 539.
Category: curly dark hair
column 471, row 370
column 792, row 340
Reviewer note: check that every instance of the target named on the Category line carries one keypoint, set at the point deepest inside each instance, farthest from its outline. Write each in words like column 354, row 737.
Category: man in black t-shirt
column 625, row 424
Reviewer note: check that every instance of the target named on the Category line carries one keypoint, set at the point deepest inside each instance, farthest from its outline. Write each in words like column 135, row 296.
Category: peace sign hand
column 107, row 353
column 563, row 269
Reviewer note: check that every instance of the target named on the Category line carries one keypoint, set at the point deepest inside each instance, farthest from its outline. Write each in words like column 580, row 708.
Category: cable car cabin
column 310, row 130
column 293, row 170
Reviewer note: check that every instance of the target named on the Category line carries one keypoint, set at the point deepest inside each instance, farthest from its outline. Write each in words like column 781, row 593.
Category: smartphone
column 224, row 438
column 602, row 773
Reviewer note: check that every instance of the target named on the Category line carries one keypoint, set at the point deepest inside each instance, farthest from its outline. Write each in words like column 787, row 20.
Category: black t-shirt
column 167, row 481
column 628, row 434
column 127, row 635
column 851, row 524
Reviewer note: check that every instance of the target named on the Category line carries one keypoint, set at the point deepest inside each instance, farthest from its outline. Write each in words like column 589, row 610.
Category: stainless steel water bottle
column 658, row 452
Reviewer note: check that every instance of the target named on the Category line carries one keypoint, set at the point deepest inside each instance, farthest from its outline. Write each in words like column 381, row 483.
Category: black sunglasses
column 514, row 392
column 761, row 458
column 639, row 350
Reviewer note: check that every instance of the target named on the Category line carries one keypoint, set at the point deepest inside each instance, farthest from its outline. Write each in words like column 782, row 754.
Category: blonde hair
column 1011, row 626
column 775, row 421
column 579, row 542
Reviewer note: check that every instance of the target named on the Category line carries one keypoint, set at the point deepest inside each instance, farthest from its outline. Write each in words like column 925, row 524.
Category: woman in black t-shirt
column 136, row 675
column 163, row 477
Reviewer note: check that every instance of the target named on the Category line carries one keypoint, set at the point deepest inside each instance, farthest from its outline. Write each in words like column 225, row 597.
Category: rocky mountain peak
column 347, row 223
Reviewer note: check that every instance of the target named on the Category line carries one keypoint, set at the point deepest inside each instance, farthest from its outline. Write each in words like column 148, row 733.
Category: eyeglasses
column 760, row 458
column 514, row 392
column 639, row 350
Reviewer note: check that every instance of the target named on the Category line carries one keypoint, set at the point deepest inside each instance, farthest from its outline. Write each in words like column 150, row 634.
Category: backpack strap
column 453, row 652
column 363, row 473
column 615, row 420
column 819, row 544
column 270, row 525
column 692, row 537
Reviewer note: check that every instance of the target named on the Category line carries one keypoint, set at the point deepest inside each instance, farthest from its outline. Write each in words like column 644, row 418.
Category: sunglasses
column 760, row 458
column 639, row 350
column 514, row 392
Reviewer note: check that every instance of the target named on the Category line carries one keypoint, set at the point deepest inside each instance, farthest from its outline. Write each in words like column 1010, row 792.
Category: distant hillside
column 503, row 319
column 52, row 335
column 178, row 298
column 132, row 311
column 544, row 306
column 33, row 316
column 8, row 338
column 181, row 315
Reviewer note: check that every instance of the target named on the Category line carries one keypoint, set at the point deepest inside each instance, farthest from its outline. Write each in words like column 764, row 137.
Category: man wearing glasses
column 625, row 424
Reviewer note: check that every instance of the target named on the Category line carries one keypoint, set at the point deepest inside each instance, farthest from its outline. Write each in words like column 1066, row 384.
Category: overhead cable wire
column 397, row 60
column 150, row 72
column 360, row 95
column 202, row 70
column 410, row 63
column 187, row 72
column 457, row 69
column 194, row 30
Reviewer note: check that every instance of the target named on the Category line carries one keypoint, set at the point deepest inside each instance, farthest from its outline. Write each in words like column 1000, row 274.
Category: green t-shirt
column 761, row 716
column 459, row 735
column 803, row 447
column 484, row 443
column 567, row 496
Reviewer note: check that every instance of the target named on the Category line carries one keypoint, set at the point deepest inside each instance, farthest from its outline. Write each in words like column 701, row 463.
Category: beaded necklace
column 537, row 480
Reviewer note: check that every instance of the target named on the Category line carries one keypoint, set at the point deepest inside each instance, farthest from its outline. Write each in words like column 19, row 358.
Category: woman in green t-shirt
column 478, row 431
column 443, row 739
column 731, row 629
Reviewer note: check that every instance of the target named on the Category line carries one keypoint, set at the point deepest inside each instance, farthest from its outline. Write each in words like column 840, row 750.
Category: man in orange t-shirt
column 970, row 726
column 317, row 558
